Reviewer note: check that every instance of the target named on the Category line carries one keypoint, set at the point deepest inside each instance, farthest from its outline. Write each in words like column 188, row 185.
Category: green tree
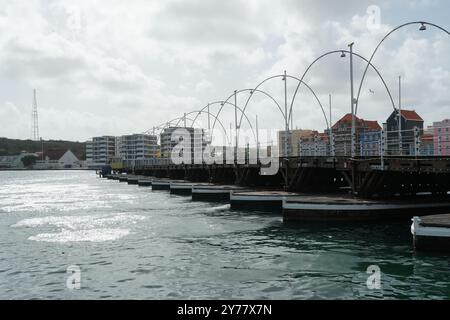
column 28, row 161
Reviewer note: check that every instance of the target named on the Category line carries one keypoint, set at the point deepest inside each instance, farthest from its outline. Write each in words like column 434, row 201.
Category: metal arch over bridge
column 383, row 175
column 209, row 114
column 216, row 117
column 369, row 62
column 284, row 77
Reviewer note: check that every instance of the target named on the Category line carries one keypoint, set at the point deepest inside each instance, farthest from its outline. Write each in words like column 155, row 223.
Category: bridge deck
column 439, row 221
column 390, row 163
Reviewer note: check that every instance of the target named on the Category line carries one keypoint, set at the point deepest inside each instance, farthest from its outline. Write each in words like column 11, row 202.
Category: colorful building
column 294, row 138
column 366, row 130
column 315, row 145
column 441, row 137
column 370, row 143
column 409, row 121
column 427, row 145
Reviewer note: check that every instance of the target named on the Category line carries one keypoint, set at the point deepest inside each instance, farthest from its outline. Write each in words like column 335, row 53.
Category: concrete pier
column 159, row 184
column 431, row 233
column 343, row 208
column 214, row 192
column 145, row 182
column 269, row 201
column 185, row 188
column 133, row 180
column 181, row 188
column 164, row 184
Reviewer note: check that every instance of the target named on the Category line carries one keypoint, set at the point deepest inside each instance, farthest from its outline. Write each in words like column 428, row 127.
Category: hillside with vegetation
column 12, row 147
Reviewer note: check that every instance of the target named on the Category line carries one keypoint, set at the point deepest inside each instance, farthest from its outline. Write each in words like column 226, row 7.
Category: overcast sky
column 120, row 67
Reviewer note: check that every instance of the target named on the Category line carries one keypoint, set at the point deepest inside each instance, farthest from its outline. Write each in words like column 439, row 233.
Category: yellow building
column 293, row 139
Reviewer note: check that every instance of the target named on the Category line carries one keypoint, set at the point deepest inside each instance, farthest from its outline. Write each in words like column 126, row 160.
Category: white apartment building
column 136, row 148
column 198, row 138
column 100, row 151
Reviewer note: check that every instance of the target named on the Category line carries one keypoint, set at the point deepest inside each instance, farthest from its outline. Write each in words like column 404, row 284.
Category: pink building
column 442, row 138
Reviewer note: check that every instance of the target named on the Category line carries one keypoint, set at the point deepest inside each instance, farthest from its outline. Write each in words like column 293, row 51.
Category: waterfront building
column 314, row 145
column 294, row 137
column 100, row 151
column 12, row 162
column 441, row 137
column 198, row 142
column 57, row 159
column 409, row 121
column 136, row 148
column 427, row 145
column 369, row 142
column 366, row 131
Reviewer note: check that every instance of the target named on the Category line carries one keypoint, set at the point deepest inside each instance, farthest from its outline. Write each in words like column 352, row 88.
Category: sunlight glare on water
column 132, row 243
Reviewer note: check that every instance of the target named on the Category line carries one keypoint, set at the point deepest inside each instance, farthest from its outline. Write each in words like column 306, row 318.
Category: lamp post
column 209, row 121
column 286, row 132
column 352, row 102
column 235, row 125
column 257, row 141
column 400, row 142
column 330, row 133
column 286, row 120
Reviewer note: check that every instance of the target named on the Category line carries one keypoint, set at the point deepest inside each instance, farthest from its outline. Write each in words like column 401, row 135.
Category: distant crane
column 34, row 119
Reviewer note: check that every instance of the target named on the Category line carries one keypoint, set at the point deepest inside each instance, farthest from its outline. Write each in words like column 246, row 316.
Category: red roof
column 372, row 125
column 346, row 118
column 411, row 115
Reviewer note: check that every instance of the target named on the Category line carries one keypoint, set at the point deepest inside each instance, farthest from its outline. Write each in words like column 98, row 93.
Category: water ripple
column 132, row 243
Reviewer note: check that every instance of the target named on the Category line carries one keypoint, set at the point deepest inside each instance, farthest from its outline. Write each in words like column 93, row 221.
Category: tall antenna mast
column 35, row 120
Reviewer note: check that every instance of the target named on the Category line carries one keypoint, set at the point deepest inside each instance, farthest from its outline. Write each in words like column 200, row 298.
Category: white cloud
column 116, row 68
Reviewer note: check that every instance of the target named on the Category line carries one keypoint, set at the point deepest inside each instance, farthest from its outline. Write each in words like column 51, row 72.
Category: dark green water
column 130, row 242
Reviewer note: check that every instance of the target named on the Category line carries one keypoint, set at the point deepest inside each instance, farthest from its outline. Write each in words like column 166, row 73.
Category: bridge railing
column 412, row 142
column 370, row 144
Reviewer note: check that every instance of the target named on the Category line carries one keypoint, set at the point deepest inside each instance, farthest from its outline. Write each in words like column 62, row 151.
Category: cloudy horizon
column 106, row 68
